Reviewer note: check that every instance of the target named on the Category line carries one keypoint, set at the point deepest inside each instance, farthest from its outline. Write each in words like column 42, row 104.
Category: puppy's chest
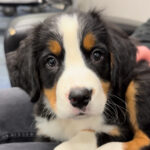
column 64, row 129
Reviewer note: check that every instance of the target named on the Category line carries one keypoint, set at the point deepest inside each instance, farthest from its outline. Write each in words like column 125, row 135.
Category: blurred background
column 138, row 10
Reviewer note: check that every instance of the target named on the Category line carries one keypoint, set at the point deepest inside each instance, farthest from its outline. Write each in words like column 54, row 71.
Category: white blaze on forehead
column 68, row 26
column 76, row 73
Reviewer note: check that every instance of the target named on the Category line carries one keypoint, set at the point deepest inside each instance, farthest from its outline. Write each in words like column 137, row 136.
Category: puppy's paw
column 82, row 141
column 64, row 146
column 111, row 146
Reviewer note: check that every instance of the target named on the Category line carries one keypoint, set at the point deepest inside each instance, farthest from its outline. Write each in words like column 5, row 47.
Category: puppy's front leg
column 84, row 140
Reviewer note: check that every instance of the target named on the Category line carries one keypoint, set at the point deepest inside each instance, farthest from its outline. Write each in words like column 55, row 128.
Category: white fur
column 87, row 140
column 82, row 141
column 65, row 129
column 76, row 73
column 112, row 146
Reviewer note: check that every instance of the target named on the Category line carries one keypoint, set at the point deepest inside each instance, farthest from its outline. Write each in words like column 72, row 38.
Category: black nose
column 80, row 97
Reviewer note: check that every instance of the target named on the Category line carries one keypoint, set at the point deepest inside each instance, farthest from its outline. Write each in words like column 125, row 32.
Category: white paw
column 82, row 141
column 63, row 146
column 111, row 146
column 74, row 146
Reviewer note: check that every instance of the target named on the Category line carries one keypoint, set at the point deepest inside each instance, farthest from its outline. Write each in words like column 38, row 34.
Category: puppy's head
column 73, row 63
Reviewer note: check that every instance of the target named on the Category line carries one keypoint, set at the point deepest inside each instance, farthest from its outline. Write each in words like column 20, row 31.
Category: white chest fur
column 64, row 129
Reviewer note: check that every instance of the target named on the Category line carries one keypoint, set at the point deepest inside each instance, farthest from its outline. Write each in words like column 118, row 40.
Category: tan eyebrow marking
column 89, row 41
column 55, row 47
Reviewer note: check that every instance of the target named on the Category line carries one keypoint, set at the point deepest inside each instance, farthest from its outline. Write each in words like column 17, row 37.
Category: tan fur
column 89, row 130
column 131, row 103
column 105, row 86
column 140, row 140
column 115, row 132
column 54, row 47
column 89, row 41
column 51, row 96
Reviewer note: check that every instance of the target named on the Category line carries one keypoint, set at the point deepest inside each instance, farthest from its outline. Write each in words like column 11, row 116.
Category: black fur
column 142, row 77
column 146, row 148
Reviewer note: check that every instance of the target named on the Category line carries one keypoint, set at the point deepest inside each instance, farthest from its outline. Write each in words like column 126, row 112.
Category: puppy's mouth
column 81, row 114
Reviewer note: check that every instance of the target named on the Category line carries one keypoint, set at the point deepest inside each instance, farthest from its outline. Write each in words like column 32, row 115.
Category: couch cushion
column 29, row 146
column 4, row 78
column 16, row 117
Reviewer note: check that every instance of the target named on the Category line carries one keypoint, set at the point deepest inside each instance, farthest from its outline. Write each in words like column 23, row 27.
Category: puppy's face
column 74, row 64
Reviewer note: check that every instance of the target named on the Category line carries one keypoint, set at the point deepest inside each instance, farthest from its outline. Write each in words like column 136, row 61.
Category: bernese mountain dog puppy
column 90, row 92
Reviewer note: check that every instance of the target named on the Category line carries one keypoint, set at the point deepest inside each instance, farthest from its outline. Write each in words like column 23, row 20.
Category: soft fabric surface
column 29, row 146
column 17, row 131
column 142, row 34
column 16, row 116
column 4, row 78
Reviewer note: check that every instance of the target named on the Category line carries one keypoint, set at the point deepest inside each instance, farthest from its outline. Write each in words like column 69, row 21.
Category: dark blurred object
column 126, row 25
column 10, row 7
column 20, row 26
column 8, row 10
column 19, row 2
column 142, row 34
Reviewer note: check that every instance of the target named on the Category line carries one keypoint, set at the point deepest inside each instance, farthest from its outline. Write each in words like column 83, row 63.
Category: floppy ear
column 123, row 58
column 35, row 81
column 28, row 73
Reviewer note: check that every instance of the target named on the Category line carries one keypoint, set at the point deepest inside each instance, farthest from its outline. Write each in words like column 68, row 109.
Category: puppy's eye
column 51, row 62
column 97, row 56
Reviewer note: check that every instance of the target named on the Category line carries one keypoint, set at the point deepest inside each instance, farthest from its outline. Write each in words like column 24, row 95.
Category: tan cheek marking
column 105, row 86
column 131, row 104
column 54, row 47
column 115, row 132
column 51, row 96
column 140, row 140
column 89, row 41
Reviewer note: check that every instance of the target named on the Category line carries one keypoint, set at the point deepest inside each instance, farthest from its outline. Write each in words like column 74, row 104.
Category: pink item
column 143, row 54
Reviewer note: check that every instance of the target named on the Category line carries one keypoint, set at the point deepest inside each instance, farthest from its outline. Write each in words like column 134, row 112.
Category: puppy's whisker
column 109, row 115
column 114, row 109
column 122, row 100
column 122, row 110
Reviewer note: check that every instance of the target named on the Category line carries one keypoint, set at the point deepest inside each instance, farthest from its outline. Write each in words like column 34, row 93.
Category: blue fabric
column 4, row 77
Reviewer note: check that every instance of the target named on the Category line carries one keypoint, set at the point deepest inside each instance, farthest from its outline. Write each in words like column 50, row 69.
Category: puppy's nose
column 80, row 97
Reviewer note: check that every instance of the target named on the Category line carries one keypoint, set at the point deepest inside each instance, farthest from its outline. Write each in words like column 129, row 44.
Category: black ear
column 95, row 14
column 28, row 73
column 35, row 81
column 123, row 58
